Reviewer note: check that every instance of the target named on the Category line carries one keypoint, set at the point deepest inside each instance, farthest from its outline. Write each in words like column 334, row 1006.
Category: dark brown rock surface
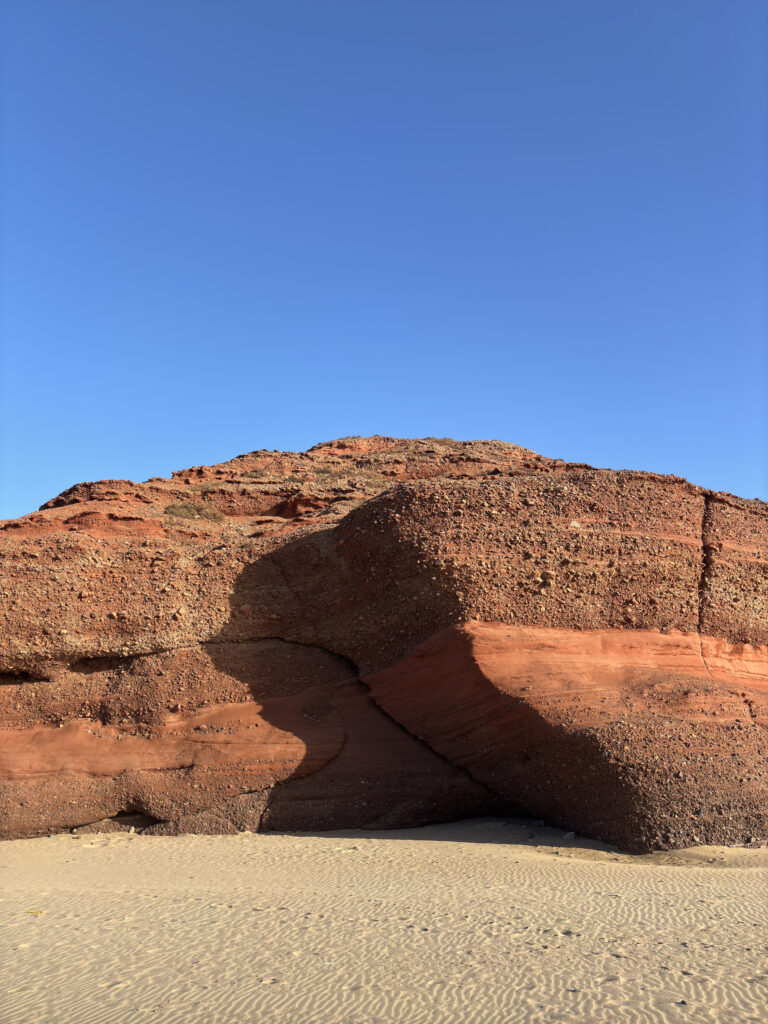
column 186, row 653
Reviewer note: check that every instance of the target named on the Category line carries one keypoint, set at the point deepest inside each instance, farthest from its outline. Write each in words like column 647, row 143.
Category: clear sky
column 240, row 224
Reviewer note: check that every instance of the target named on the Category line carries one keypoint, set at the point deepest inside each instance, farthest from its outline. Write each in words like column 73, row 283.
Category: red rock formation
column 642, row 738
column 189, row 649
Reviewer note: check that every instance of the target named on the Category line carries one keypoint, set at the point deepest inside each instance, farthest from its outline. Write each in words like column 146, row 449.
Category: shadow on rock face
column 335, row 759
column 619, row 735
column 368, row 589
column 266, row 724
column 617, row 749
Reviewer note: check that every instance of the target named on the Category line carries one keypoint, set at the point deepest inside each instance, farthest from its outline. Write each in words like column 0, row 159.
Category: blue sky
column 242, row 224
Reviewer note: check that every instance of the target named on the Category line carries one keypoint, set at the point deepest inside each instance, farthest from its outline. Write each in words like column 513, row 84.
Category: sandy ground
column 479, row 921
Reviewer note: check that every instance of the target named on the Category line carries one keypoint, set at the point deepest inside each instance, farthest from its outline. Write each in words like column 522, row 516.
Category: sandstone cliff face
column 380, row 632
column 644, row 738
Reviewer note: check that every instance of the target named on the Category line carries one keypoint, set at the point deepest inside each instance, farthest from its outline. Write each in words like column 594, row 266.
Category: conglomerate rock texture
column 379, row 633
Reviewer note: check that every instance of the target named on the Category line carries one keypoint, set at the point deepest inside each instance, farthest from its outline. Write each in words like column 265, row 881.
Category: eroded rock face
column 187, row 653
column 643, row 738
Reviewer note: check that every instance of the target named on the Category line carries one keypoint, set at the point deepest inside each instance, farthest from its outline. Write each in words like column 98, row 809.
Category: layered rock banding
column 381, row 633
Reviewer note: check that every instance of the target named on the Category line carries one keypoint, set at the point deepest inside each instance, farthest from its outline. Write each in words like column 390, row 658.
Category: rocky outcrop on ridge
column 380, row 633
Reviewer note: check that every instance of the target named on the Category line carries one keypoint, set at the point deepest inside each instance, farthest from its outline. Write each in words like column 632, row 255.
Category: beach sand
column 489, row 920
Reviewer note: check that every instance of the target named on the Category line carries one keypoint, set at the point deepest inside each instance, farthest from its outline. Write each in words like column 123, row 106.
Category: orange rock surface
column 643, row 738
column 186, row 654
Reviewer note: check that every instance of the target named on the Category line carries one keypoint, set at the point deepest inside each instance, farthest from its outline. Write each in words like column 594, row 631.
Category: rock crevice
column 707, row 555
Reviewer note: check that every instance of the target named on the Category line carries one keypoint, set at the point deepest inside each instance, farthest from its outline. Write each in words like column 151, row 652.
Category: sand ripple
column 476, row 923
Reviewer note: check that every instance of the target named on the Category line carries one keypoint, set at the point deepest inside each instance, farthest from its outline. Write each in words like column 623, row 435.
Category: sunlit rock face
column 383, row 632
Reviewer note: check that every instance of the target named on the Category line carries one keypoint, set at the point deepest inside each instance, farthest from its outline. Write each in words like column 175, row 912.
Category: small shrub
column 194, row 510
column 370, row 476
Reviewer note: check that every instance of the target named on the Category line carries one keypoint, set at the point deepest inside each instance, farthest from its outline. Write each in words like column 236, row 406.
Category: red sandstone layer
column 643, row 739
